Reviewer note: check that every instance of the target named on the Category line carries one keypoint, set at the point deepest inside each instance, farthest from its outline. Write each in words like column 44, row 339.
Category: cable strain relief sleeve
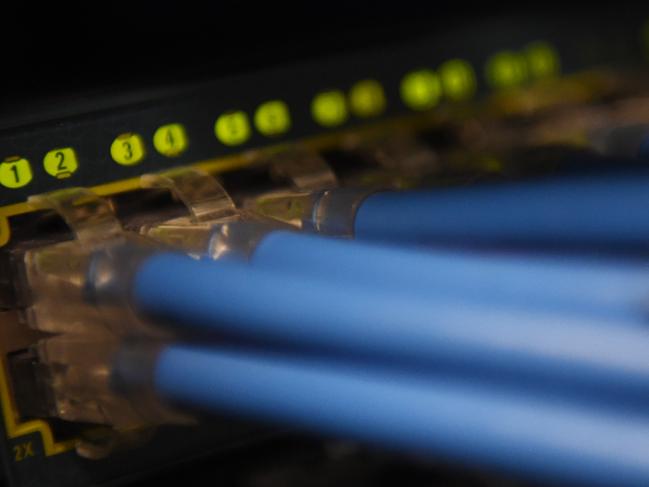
column 133, row 377
column 134, row 366
column 111, row 271
column 239, row 239
column 335, row 212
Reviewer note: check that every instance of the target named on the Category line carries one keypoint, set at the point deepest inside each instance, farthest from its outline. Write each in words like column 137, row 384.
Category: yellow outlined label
column 16, row 429
column 170, row 140
column 232, row 128
column 127, row 149
column 15, row 172
column 329, row 108
column 61, row 163
column 272, row 118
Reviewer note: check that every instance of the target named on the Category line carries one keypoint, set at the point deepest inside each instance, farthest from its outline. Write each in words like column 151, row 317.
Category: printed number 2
column 61, row 165
column 23, row 451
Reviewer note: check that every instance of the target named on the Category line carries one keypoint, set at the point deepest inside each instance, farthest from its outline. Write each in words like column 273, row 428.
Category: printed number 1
column 14, row 169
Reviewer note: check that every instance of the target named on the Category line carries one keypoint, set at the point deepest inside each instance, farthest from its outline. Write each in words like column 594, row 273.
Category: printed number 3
column 128, row 150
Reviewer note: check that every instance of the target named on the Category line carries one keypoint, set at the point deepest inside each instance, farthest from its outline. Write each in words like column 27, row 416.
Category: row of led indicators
column 420, row 90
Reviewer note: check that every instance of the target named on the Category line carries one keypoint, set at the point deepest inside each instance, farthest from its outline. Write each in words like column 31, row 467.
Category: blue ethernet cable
column 459, row 421
column 606, row 210
column 598, row 210
column 599, row 288
column 372, row 322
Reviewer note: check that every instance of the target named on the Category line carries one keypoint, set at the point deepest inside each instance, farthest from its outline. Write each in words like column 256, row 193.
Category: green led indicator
column 421, row 90
column 506, row 69
column 458, row 79
column 542, row 60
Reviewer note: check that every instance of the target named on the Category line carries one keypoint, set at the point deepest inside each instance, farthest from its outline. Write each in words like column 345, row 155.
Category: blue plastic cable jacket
column 236, row 299
column 590, row 287
column 458, row 421
column 599, row 210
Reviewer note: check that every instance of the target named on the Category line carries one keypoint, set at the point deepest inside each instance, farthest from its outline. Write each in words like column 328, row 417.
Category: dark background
column 54, row 50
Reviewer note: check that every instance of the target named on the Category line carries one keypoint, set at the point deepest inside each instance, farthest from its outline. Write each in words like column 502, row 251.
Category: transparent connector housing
column 66, row 280
column 81, row 376
column 206, row 202
column 213, row 227
column 239, row 239
column 304, row 169
column 202, row 195
column 232, row 237
column 330, row 212
column 79, row 294
column 76, row 293
column 181, row 233
column 89, row 216
column 296, row 208
column 402, row 155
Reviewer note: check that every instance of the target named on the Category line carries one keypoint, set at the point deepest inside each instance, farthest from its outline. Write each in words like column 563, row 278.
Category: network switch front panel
column 452, row 109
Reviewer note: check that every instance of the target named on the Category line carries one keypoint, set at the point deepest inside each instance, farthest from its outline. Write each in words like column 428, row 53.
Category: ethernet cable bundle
column 534, row 364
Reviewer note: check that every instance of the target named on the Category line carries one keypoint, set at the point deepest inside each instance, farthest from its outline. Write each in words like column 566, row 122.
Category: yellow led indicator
column 542, row 60
column 420, row 90
column 329, row 108
column 61, row 163
column 367, row 99
column 127, row 149
column 458, row 79
column 506, row 69
column 232, row 128
column 273, row 118
column 15, row 172
column 170, row 140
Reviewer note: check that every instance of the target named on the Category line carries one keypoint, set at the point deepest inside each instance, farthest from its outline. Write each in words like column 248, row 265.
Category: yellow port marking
column 16, row 429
